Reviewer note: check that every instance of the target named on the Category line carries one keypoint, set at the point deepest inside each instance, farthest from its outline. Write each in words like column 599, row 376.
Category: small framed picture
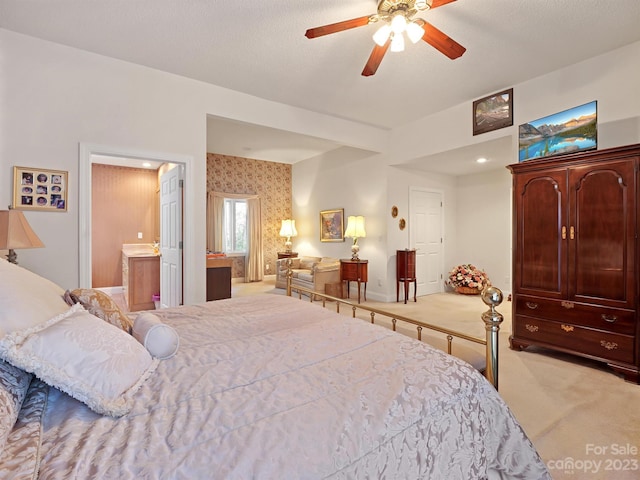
column 332, row 225
column 39, row 189
column 493, row 112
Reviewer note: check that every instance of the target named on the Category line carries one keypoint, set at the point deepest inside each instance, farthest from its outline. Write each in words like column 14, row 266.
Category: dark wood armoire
column 575, row 256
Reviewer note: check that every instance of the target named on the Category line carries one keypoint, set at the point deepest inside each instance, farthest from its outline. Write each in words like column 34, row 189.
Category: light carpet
column 583, row 418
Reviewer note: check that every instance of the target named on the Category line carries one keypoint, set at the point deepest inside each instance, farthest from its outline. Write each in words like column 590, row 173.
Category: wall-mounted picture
column 565, row 132
column 493, row 112
column 332, row 225
column 39, row 189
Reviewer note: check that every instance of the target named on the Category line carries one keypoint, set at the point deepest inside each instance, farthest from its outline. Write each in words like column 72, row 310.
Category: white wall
column 53, row 97
column 483, row 220
column 351, row 179
column 481, row 233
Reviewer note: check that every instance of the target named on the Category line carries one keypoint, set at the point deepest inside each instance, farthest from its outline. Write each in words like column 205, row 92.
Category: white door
column 171, row 237
column 425, row 235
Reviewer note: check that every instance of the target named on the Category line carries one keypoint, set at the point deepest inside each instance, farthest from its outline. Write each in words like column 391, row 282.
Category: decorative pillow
column 329, row 260
column 26, row 299
column 102, row 306
column 81, row 355
column 307, row 263
column 160, row 340
column 14, row 383
column 326, row 267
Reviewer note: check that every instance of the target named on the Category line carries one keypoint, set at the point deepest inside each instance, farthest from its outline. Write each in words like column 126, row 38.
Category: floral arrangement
column 468, row 276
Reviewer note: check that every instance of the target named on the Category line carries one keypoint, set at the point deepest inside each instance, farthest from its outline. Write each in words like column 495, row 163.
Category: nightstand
column 356, row 271
column 406, row 273
column 287, row 255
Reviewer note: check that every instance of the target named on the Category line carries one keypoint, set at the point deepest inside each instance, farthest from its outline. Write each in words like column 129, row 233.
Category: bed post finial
column 492, row 319
column 289, row 275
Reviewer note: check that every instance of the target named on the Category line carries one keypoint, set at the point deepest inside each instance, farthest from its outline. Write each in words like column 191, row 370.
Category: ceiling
column 261, row 50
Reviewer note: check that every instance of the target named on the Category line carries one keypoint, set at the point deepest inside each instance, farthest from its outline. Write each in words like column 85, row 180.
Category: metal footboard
column 491, row 296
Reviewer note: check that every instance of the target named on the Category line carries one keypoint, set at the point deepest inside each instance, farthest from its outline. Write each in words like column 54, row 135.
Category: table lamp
column 16, row 233
column 288, row 230
column 355, row 229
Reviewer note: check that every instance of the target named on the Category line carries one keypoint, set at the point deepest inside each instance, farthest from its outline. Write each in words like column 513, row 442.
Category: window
column 235, row 226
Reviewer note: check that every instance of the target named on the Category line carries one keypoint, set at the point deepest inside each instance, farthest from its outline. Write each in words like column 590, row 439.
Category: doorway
column 90, row 154
column 426, row 235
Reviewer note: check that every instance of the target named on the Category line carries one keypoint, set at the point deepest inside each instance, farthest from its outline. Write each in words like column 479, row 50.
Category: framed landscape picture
column 39, row 189
column 569, row 131
column 332, row 225
column 493, row 112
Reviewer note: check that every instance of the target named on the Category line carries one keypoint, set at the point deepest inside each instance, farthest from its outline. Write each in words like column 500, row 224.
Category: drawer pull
column 531, row 328
column 568, row 305
column 567, row 328
column 532, row 305
column 609, row 318
column 609, row 345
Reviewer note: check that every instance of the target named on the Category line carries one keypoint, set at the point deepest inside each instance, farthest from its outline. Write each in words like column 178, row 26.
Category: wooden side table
column 406, row 273
column 354, row 271
column 287, row 255
column 219, row 278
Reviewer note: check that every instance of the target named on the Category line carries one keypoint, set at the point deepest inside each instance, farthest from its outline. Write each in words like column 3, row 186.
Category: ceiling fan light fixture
column 382, row 35
column 415, row 32
column 398, row 23
column 397, row 43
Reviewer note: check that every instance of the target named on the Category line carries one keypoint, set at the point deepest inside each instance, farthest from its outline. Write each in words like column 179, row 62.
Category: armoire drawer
column 614, row 320
column 589, row 341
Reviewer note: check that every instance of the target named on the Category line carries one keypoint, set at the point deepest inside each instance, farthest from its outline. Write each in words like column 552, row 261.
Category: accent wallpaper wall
column 271, row 181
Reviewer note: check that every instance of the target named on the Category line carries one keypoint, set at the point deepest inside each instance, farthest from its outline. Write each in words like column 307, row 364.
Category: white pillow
column 26, row 299
column 80, row 354
column 159, row 339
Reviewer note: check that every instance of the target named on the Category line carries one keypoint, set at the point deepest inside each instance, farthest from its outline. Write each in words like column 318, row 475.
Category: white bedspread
column 271, row 387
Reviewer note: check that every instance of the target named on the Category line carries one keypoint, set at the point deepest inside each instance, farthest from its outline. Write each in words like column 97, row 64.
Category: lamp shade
column 288, row 229
column 355, row 227
column 15, row 231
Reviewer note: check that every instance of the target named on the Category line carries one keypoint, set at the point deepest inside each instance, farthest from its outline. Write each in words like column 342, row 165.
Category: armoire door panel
column 602, row 215
column 540, row 219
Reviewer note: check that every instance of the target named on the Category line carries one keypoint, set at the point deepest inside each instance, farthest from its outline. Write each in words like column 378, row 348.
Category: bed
column 263, row 387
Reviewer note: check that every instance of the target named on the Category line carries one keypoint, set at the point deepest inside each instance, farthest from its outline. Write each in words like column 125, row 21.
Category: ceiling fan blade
column 442, row 42
column 439, row 3
column 337, row 27
column 377, row 54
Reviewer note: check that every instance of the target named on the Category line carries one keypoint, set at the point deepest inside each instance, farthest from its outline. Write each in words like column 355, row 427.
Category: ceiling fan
column 397, row 17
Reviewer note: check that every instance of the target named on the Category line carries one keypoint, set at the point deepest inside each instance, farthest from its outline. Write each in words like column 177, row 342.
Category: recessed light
column 146, row 164
column 481, row 160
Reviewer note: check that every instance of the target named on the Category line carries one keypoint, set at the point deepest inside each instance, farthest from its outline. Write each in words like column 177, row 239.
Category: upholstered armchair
column 309, row 272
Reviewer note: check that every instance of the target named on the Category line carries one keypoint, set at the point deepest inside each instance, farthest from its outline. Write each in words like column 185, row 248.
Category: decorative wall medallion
column 402, row 223
column 394, row 211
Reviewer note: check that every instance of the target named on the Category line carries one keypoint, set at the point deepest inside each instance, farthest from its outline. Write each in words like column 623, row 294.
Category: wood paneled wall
column 124, row 202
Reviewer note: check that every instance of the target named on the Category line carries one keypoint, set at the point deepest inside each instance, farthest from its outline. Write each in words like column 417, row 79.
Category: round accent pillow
column 160, row 340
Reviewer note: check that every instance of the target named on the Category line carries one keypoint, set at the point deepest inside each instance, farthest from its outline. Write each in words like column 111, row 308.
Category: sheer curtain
column 215, row 222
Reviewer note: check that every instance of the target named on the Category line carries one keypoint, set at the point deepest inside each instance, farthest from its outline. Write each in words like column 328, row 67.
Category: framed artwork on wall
column 332, row 225
column 493, row 112
column 39, row 189
column 569, row 131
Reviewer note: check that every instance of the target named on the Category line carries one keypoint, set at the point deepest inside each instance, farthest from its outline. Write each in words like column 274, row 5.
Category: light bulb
column 398, row 23
column 414, row 32
column 397, row 43
column 421, row 4
column 382, row 35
